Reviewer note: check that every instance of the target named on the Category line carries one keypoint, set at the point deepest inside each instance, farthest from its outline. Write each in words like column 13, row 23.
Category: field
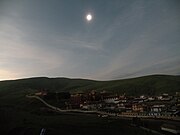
column 15, row 121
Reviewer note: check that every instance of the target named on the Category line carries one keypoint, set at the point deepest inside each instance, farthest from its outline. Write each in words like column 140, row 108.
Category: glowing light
column 89, row 17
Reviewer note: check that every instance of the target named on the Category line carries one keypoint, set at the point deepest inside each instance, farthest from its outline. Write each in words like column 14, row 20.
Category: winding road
column 61, row 110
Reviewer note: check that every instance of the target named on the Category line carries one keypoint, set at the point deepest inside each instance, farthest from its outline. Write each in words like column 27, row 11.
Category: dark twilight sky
column 125, row 38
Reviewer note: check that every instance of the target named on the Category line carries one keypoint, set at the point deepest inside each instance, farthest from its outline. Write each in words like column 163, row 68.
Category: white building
column 114, row 100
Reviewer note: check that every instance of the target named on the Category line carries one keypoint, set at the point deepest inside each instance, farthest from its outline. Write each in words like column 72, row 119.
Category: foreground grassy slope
column 151, row 85
column 20, row 122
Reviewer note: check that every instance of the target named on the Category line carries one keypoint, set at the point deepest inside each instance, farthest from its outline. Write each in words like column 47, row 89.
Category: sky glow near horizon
column 125, row 38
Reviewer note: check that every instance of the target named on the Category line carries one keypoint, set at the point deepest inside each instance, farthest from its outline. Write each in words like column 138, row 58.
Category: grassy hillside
column 151, row 85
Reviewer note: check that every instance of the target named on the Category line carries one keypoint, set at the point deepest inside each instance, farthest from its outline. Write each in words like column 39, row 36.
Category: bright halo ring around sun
column 88, row 17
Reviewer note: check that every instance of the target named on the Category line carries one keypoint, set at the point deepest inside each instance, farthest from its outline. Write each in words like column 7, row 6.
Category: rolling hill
column 148, row 85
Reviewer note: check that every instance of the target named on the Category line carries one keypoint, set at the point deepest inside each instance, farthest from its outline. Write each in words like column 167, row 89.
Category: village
column 161, row 106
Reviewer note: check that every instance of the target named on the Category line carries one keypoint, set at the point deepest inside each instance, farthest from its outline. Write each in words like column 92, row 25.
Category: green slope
column 151, row 85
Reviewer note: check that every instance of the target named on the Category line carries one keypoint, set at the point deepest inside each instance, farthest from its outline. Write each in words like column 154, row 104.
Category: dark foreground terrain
column 23, row 123
column 19, row 122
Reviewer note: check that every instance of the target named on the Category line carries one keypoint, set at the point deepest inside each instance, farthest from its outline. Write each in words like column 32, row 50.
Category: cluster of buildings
column 163, row 105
